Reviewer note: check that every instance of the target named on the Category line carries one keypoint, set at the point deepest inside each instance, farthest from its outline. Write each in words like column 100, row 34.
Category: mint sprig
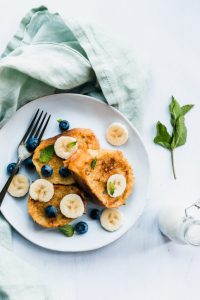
column 46, row 154
column 111, row 188
column 93, row 163
column 71, row 145
column 67, row 230
column 179, row 130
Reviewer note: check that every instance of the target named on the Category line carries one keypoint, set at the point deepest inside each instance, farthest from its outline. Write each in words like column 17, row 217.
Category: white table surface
column 141, row 265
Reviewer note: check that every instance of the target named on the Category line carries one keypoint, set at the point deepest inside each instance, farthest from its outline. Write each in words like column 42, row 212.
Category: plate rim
column 148, row 178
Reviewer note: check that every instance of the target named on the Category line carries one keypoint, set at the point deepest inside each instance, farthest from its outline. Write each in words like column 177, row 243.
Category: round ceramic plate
column 80, row 111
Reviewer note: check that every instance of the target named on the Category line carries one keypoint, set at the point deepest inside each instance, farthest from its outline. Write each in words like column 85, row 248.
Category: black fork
column 36, row 129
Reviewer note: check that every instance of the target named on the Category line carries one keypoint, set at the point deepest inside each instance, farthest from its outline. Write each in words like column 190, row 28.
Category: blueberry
column 81, row 227
column 29, row 163
column 64, row 125
column 64, row 172
column 46, row 171
column 51, row 211
column 32, row 144
column 95, row 214
column 11, row 167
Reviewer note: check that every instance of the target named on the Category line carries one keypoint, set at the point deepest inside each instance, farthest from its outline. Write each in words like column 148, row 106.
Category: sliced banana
column 117, row 134
column 111, row 219
column 41, row 190
column 72, row 206
column 19, row 186
column 116, row 185
column 65, row 146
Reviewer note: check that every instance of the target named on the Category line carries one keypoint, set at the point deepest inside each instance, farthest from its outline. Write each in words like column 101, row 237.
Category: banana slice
column 19, row 186
column 116, row 185
column 41, row 190
column 72, row 206
column 116, row 134
column 65, row 146
column 111, row 219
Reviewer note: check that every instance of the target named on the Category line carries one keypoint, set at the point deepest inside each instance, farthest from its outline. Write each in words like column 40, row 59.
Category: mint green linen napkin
column 18, row 281
column 49, row 55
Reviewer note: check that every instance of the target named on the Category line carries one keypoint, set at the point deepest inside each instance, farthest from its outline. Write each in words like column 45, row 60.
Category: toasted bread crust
column 94, row 181
column 86, row 140
column 36, row 209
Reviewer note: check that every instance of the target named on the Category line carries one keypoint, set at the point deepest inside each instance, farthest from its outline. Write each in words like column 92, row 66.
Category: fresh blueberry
column 81, row 227
column 46, row 171
column 29, row 163
column 95, row 214
column 11, row 167
column 51, row 211
column 64, row 172
column 32, row 144
column 64, row 125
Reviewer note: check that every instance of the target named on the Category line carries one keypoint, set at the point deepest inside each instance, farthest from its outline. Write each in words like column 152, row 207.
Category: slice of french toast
column 86, row 140
column 92, row 169
column 36, row 209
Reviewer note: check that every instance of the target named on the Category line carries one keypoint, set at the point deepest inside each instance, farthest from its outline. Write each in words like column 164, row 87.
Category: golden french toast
column 92, row 170
column 36, row 209
column 86, row 140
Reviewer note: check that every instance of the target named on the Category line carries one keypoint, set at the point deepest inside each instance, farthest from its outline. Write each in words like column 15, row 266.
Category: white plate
column 80, row 111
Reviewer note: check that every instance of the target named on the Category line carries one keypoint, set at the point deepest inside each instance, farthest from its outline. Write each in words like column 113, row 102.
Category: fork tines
column 36, row 128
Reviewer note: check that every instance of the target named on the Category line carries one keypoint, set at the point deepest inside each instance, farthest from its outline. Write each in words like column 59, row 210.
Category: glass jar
column 181, row 224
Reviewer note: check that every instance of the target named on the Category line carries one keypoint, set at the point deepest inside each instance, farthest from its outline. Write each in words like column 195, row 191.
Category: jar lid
column 193, row 210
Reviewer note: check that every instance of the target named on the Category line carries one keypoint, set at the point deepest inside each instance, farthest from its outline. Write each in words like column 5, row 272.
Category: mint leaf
column 175, row 110
column 186, row 108
column 162, row 138
column 179, row 132
column 93, row 163
column 46, row 154
column 111, row 188
column 71, row 145
column 67, row 230
column 59, row 120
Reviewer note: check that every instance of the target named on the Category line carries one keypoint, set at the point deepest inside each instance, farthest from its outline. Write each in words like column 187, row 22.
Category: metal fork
column 36, row 129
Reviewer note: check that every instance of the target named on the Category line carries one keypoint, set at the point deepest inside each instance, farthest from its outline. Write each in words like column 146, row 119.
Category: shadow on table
column 143, row 237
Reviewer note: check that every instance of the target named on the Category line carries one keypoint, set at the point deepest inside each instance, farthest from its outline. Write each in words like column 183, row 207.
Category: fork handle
column 7, row 184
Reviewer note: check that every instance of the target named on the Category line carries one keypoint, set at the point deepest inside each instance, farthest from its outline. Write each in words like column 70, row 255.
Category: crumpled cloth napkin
column 49, row 55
